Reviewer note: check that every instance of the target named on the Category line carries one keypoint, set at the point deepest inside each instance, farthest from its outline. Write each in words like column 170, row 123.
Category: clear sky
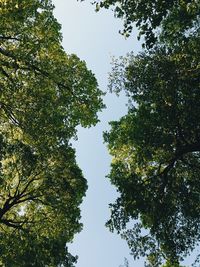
column 94, row 38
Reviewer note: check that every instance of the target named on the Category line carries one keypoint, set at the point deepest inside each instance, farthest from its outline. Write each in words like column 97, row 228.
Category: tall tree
column 156, row 152
column 175, row 17
column 44, row 95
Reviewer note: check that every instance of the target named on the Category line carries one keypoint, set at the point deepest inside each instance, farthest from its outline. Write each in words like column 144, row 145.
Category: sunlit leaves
column 44, row 95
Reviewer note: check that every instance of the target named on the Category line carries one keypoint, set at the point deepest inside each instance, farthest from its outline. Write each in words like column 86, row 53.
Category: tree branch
column 9, row 113
column 32, row 67
column 3, row 37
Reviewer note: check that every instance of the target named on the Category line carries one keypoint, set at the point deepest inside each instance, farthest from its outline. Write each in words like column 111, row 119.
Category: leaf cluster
column 174, row 17
column 44, row 95
column 155, row 150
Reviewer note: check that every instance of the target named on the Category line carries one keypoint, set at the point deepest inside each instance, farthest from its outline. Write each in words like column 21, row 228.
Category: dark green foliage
column 175, row 17
column 156, row 152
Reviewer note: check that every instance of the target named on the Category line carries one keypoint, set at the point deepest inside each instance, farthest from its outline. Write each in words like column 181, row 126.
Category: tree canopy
column 44, row 95
column 175, row 17
column 156, row 152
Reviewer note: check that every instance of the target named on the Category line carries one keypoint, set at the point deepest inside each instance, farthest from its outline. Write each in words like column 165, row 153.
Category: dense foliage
column 156, row 152
column 175, row 17
column 44, row 95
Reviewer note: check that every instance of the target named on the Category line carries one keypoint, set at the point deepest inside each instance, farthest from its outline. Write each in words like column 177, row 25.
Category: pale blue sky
column 94, row 38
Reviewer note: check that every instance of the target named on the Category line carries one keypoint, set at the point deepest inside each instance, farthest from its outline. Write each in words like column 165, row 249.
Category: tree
column 45, row 94
column 156, row 152
column 175, row 17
